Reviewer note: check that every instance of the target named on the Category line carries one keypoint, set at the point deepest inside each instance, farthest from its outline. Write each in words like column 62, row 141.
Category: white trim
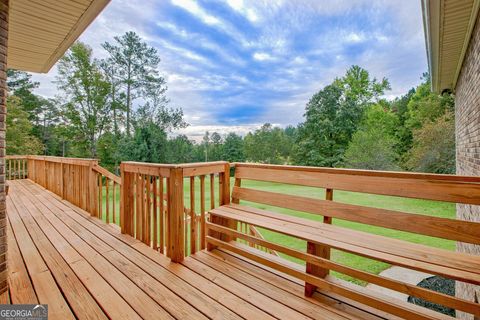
column 432, row 16
column 471, row 25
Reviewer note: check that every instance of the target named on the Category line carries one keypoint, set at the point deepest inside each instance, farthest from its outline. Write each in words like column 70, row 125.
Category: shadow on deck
column 84, row 268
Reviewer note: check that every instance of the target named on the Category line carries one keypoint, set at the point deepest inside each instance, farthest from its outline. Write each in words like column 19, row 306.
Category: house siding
column 467, row 125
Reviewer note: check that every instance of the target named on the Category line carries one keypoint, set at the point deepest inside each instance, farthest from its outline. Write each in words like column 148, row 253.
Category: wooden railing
column 16, row 167
column 166, row 206
column 109, row 186
column 321, row 236
column 157, row 210
column 70, row 178
column 80, row 181
column 147, row 201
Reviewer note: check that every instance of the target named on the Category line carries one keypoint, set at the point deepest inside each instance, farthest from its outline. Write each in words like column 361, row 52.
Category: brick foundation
column 467, row 125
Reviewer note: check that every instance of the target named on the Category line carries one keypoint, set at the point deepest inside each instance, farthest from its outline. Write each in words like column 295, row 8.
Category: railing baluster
column 148, row 210
column 143, row 210
column 100, row 195
column 138, row 205
column 193, row 220
column 114, row 196
column 212, row 191
column 155, row 213
column 107, row 200
column 162, row 217
column 202, row 211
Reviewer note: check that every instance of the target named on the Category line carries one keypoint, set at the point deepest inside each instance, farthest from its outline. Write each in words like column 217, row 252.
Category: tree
column 109, row 150
column 85, row 92
column 47, row 119
column 19, row 137
column 136, row 65
column 216, row 147
column 180, row 150
column 117, row 98
column 373, row 146
column 422, row 108
column 167, row 119
column 148, row 144
column 233, row 148
column 267, row 145
column 434, row 146
column 206, row 145
column 20, row 84
column 426, row 106
column 332, row 116
column 320, row 140
column 400, row 107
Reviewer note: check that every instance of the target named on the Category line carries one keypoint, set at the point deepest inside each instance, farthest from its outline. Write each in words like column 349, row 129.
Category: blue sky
column 233, row 65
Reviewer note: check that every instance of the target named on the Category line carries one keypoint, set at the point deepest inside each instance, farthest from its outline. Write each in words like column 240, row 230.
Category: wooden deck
column 83, row 268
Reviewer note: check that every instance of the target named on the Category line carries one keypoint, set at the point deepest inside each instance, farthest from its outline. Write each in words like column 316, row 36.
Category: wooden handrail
column 107, row 174
column 448, row 188
column 359, row 172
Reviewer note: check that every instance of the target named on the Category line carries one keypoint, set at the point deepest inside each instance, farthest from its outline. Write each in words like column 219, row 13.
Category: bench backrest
column 448, row 188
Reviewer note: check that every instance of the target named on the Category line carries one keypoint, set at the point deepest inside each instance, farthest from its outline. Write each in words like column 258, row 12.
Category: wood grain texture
column 411, row 290
column 448, row 188
column 129, row 280
column 391, row 305
column 452, row 229
column 437, row 261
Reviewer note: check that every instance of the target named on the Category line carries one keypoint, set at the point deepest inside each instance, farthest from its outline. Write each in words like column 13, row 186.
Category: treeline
column 348, row 124
column 115, row 109
column 93, row 114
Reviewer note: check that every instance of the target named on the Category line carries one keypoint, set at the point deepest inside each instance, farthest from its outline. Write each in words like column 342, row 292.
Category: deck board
column 84, row 268
column 21, row 287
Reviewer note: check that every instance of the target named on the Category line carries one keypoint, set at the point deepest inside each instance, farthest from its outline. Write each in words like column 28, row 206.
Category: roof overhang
column 40, row 31
column 448, row 26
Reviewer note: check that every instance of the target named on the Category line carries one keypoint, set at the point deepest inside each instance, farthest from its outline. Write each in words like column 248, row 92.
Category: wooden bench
column 321, row 235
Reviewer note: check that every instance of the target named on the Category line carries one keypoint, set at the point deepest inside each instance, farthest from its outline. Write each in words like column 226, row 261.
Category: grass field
column 430, row 208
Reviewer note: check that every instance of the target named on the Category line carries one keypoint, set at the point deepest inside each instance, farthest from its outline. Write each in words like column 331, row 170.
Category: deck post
column 176, row 216
column 318, row 250
column 3, row 113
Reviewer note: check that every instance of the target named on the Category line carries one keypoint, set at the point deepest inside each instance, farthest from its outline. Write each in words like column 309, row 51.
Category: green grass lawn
column 430, row 208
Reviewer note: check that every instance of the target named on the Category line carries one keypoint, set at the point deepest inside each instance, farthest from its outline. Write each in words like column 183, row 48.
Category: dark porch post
column 3, row 114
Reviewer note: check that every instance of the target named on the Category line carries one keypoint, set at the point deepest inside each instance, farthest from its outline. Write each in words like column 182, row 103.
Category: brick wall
column 467, row 123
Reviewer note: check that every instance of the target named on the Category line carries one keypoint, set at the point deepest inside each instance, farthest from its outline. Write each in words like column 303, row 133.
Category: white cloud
column 193, row 7
column 196, row 72
column 262, row 56
column 299, row 60
column 354, row 37
column 249, row 12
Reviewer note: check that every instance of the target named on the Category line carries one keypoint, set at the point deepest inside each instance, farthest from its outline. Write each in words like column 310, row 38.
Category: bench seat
column 233, row 227
column 442, row 262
